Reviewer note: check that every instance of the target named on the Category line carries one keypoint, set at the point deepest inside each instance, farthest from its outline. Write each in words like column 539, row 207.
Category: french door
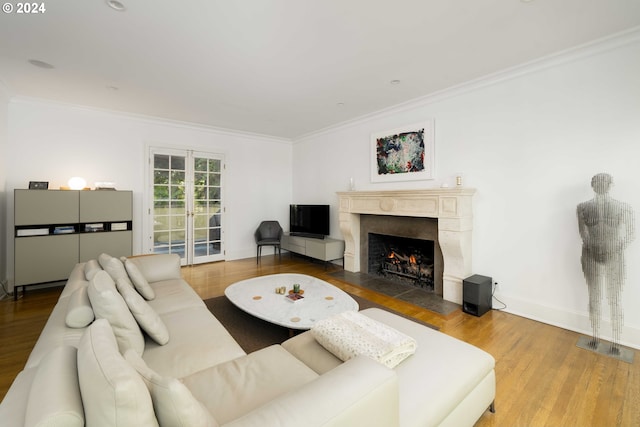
column 187, row 209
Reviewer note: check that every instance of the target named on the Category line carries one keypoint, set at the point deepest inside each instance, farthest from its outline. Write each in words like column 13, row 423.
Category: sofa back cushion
column 158, row 267
column 146, row 317
column 139, row 281
column 91, row 267
column 108, row 304
column 79, row 310
column 112, row 391
column 54, row 396
column 112, row 265
column 173, row 402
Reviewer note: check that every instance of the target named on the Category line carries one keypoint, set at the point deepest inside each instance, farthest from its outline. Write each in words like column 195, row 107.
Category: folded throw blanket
column 350, row 334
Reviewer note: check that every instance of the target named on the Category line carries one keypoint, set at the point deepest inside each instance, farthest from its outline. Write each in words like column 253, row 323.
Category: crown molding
column 595, row 47
column 27, row 100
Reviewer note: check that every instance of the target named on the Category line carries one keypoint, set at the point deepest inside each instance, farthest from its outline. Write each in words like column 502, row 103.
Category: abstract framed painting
column 403, row 154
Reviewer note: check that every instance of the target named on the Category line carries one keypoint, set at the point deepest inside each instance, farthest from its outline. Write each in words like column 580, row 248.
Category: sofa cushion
column 146, row 317
column 79, row 310
column 158, row 267
column 76, row 279
column 54, row 334
column 198, row 341
column 108, row 304
column 91, row 267
column 246, row 383
column 464, row 367
column 14, row 405
column 112, row 391
column 60, row 404
column 173, row 402
column 305, row 347
column 174, row 295
column 139, row 281
column 112, row 265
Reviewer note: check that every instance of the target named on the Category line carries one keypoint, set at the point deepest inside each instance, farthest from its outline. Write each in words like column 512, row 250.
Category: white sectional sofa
column 185, row 369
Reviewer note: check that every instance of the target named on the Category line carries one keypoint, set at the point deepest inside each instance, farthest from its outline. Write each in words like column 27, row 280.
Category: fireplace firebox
column 406, row 250
column 402, row 260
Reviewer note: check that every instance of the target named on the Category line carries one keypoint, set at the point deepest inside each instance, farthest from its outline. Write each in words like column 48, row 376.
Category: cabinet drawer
column 114, row 243
column 45, row 258
column 105, row 206
column 316, row 249
column 293, row 244
column 296, row 240
column 35, row 207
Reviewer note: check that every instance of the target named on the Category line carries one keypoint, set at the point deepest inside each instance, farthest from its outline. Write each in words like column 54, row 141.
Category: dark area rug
column 253, row 334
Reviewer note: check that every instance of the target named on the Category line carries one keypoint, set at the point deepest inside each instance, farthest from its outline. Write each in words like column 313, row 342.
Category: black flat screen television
column 309, row 220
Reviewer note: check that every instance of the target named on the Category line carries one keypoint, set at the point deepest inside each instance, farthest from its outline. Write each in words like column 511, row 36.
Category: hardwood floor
column 543, row 378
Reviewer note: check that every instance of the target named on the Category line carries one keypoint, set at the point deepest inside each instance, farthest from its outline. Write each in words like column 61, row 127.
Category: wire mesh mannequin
column 606, row 227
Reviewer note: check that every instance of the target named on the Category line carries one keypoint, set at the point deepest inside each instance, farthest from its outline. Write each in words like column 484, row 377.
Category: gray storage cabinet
column 56, row 229
column 326, row 249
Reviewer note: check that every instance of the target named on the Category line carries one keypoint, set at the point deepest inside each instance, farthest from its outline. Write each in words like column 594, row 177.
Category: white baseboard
column 573, row 321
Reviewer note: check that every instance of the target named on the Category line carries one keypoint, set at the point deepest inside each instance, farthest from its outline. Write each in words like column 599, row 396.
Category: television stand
column 308, row 235
column 326, row 249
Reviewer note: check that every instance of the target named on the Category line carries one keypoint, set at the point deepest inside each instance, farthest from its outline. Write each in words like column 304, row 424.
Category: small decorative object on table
column 296, row 288
column 294, row 297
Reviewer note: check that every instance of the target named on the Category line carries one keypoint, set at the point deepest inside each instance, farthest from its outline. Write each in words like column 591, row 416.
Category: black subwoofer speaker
column 476, row 295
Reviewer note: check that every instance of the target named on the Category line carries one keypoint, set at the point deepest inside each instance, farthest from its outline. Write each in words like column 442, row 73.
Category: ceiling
column 283, row 68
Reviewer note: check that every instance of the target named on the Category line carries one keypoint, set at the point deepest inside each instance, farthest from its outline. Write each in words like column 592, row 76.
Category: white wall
column 53, row 142
column 529, row 141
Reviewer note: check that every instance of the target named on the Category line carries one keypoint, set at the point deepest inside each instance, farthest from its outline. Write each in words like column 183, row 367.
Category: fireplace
column 402, row 260
column 443, row 215
column 407, row 236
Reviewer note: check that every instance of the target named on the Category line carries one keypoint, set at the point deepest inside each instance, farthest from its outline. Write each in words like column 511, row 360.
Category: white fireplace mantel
column 451, row 206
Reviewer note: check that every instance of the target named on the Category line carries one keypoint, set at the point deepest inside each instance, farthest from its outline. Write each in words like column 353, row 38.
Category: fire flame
column 393, row 258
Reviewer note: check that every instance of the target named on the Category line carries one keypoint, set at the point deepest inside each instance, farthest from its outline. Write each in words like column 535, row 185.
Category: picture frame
column 38, row 185
column 404, row 154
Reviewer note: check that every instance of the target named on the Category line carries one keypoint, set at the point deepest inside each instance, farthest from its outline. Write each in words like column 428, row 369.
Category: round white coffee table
column 258, row 297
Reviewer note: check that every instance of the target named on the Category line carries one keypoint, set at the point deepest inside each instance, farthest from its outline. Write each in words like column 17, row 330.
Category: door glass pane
column 214, row 193
column 177, row 162
column 200, row 179
column 161, row 177
column 178, row 249
column 214, row 179
column 161, row 223
column 177, row 192
column 161, row 193
column 207, row 207
column 161, row 161
column 169, row 223
column 177, row 178
column 200, row 164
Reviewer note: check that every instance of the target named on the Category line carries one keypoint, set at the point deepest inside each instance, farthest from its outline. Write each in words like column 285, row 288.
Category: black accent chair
column 269, row 233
